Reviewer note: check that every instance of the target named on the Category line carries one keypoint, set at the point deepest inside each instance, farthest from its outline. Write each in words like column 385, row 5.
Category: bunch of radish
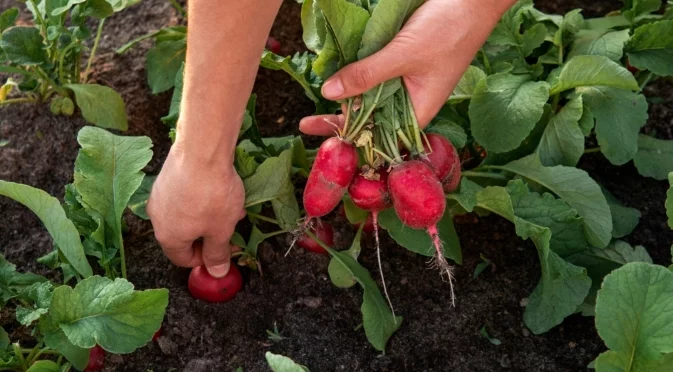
column 413, row 184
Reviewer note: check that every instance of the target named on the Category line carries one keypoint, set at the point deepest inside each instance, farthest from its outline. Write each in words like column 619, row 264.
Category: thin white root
column 298, row 232
column 378, row 257
column 439, row 262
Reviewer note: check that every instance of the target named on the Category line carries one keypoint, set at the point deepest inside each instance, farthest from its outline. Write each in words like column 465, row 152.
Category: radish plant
column 47, row 58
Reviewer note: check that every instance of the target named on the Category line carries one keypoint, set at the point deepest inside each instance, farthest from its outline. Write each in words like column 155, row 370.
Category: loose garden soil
column 319, row 321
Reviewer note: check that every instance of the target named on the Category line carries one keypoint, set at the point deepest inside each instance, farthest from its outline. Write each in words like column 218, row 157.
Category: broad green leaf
column 563, row 141
column 651, row 48
column 108, row 173
column 300, row 68
column 450, row 130
column 174, row 111
column 576, row 188
column 286, row 209
column 467, row 194
column 55, row 339
column 654, row 157
column 532, row 39
column 419, row 241
column 587, row 121
column 599, row 262
column 109, row 313
column 44, row 366
column 4, row 339
column 590, row 71
column 634, row 317
column 279, row 363
column 8, row 17
column 23, row 45
column 377, row 318
column 48, row 209
column 100, row 105
column 508, row 29
column 606, row 23
column 600, row 43
column 163, row 63
column 563, row 286
column 36, row 300
column 165, row 34
column 624, row 219
column 12, row 283
column 571, row 24
column 669, row 201
column 340, row 274
column 619, row 116
column 467, row 84
column 270, row 180
column 96, row 8
column 313, row 26
column 66, row 7
column 245, row 164
column 635, row 9
column 386, row 21
column 515, row 102
column 346, row 24
column 138, row 201
column 119, row 5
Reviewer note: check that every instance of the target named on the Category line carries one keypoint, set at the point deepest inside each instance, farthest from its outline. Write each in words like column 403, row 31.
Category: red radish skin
column 418, row 199
column 273, row 45
column 96, row 359
column 322, row 231
column 444, row 160
column 204, row 287
column 157, row 334
column 333, row 170
column 370, row 194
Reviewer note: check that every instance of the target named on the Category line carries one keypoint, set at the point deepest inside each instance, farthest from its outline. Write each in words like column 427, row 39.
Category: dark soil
column 318, row 320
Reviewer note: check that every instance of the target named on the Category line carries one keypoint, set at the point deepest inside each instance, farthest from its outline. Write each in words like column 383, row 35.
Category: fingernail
column 218, row 271
column 333, row 88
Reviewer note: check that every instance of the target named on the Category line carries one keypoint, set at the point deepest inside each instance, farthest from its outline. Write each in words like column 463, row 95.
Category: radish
column 207, row 288
column 273, row 45
column 322, row 231
column 333, row 170
column 96, row 359
column 157, row 334
column 418, row 199
column 444, row 160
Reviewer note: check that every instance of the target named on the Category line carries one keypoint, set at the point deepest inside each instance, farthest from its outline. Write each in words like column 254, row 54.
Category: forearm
column 224, row 45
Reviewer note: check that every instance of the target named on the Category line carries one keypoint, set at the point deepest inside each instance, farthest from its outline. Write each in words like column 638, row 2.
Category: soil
column 319, row 321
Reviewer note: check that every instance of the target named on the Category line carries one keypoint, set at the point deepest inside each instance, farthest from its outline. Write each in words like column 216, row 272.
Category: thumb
column 359, row 77
column 216, row 255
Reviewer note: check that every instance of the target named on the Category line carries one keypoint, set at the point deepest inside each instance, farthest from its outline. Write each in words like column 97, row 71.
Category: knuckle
column 362, row 75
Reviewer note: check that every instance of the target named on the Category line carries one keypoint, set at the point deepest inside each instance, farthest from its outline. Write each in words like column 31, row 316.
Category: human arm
column 198, row 193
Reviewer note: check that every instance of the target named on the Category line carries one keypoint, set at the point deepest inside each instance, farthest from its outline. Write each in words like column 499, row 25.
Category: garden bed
column 319, row 321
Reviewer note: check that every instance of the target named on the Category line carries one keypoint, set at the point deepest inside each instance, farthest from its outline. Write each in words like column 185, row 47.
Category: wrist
column 211, row 148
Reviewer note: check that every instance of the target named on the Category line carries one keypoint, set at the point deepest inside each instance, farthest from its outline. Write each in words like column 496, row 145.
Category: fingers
column 216, row 255
column 185, row 254
column 321, row 125
column 359, row 77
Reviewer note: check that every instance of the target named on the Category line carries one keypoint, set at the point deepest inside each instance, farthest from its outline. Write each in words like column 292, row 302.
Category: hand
column 430, row 53
column 193, row 199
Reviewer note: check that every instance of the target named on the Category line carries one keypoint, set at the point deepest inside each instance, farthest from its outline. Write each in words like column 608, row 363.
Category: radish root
column 446, row 270
column 375, row 222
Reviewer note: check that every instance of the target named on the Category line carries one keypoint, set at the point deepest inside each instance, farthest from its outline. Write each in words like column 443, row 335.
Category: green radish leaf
column 386, row 21
column 339, row 274
column 467, row 84
column 163, row 63
column 606, row 23
column 576, row 188
column 55, row 338
column 419, row 241
column 514, row 101
column 43, row 366
column 637, row 8
column 245, row 164
column 138, row 202
column 279, row 363
column 8, row 18
column 587, row 121
column 563, row 286
column 313, row 24
column 508, row 29
column 591, row 71
column 256, row 238
column 669, row 201
column 165, row 34
column 38, row 296
column 108, row 173
column 600, row 43
column 12, row 283
column 654, row 157
column 634, row 317
column 599, row 262
column 450, row 130
column 270, row 180
column 300, row 68
column 619, row 116
column 4, row 340
column 651, row 48
column 66, row 7
column 533, row 38
column 624, row 219
column 377, row 318
column 109, row 313
column 346, row 24
column 48, row 209
column 572, row 23
column 119, row 5
column 100, row 105
column 97, row 9
column 23, row 45
column 286, row 209
column 563, row 141
column 467, row 194
column 174, row 111
column 353, row 213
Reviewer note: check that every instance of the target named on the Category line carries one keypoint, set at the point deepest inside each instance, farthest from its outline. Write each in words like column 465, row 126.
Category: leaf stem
column 39, row 17
column 17, row 100
column 348, row 116
column 61, row 74
column 495, row 176
column 649, row 77
column 362, row 121
column 263, row 218
column 414, row 123
column 592, row 150
column 51, row 82
column 122, row 255
column 99, row 31
column 178, row 7
column 384, row 156
column 19, row 355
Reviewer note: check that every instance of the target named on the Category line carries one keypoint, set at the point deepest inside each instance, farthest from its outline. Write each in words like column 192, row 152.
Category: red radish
column 444, row 160
column 96, row 359
column 322, row 231
column 630, row 67
column 418, row 199
column 273, row 45
column 207, row 288
column 333, row 170
column 157, row 334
